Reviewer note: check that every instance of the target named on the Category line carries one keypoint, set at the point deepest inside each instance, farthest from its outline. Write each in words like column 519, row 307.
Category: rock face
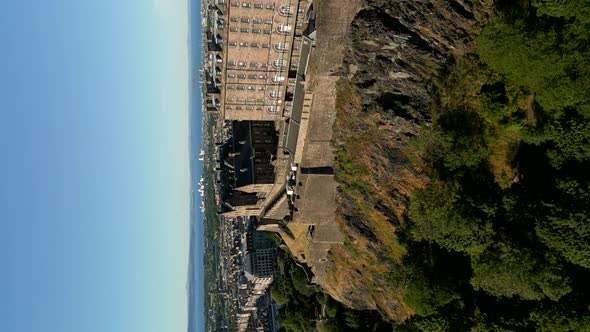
column 397, row 48
column 394, row 51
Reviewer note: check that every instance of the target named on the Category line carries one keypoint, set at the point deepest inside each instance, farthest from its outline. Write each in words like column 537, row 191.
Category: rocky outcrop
column 394, row 52
column 397, row 48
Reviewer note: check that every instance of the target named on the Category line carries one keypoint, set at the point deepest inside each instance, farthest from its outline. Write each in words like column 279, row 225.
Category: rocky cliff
column 396, row 49
column 394, row 52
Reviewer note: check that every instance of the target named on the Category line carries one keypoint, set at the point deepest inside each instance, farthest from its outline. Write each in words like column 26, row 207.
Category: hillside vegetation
column 502, row 231
column 499, row 237
column 306, row 307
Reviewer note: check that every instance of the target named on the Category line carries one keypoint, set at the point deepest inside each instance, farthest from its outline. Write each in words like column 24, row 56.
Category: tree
column 569, row 234
column 435, row 323
column 563, row 318
column 547, row 56
column 506, row 270
column 282, row 291
column 570, row 135
column 437, row 218
column 294, row 320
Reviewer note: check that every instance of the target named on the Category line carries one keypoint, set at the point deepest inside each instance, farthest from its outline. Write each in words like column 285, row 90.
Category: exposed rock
column 394, row 52
column 409, row 42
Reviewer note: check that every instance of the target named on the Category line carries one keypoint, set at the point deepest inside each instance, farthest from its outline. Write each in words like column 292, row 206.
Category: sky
column 94, row 173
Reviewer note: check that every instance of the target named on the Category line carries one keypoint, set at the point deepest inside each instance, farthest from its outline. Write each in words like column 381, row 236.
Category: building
column 258, row 270
column 248, row 172
column 254, row 50
column 260, row 261
column 259, row 44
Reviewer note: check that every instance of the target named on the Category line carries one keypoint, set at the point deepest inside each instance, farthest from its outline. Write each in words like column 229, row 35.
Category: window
column 242, row 64
column 240, row 87
column 258, row 6
column 255, row 45
column 233, row 43
column 285, row 10
column 233, row 29
column 229, row 107
column 231, row 87
column 257, row 31
column 281, row 47
column 262, row 88
column 253, row 65
column 244, row 30
column 264, row 65
column 278, row 79
column 256, row 21
column 246, row 5
column 234, row 19
column 235, row 4
column 231, row 75
column 244, row 44
column 239, row 108
column 250, row 100
column 265, row 45
column 252, row 76
column 262, row 77
column 245, row 20
column 267, row 32
column 271, row 6
column 268, row 22
column 231, row 64
column 260, row 100
column 251, row 88
column 242, row 76
column 284, row 28
column 230, row 100
column 259, row 108
column 250, row 108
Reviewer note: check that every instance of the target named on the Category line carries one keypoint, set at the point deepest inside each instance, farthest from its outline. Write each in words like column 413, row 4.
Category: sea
column 195, row 279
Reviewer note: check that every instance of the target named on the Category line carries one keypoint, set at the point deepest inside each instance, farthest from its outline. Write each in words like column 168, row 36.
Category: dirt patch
column 298, row 244
column 531, row 113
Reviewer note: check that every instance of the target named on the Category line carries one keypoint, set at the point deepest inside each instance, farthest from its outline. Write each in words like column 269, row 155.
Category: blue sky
column 94, row 174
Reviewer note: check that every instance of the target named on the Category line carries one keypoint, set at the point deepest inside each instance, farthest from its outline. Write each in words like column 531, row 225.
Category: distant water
column 195, row 282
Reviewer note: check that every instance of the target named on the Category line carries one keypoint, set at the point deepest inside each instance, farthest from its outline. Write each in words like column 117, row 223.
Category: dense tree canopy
column 507, row 271
column 438, row 217
column 508, row 206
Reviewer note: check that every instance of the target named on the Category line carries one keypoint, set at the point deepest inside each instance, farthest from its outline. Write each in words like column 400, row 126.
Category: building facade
column 253, row 51
column 259, row 43
column 247, row 167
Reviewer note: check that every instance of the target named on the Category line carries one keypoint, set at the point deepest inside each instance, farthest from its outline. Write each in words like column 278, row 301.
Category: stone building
column 253, row 56
column 253, row 53
column 247, row 167
column 259, row 43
